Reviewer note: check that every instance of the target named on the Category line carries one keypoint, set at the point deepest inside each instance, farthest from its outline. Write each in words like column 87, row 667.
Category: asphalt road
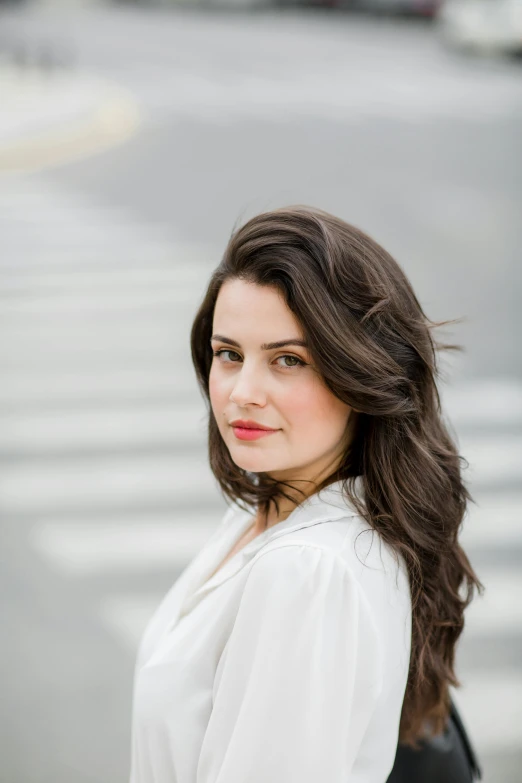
column 102, row 266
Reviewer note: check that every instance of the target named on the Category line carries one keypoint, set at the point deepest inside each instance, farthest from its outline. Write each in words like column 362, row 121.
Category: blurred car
column 482, row 25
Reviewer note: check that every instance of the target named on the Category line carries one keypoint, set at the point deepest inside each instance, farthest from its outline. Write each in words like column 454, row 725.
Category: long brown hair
column 373, row 346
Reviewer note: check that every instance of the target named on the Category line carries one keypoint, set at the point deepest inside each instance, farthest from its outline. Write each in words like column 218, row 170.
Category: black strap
column 447, row 757
column 472, row 756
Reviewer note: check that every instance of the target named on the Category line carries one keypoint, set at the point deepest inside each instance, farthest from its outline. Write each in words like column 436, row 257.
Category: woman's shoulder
column 349, row 539
column 348, row 545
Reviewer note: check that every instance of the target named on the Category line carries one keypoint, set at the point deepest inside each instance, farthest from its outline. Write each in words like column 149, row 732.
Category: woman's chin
column 253, row 464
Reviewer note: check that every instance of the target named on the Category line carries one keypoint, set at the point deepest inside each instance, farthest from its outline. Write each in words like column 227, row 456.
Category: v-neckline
column 326, row 506
column 239, row 533
column 331, row 494
column 232, row 552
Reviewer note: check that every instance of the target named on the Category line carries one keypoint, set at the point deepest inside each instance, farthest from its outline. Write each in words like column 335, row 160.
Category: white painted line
column 492, row 458
column 56, row 336
column 37, row 303
column 105, row 324
column 125, row 427
column 84, row 548
column 112, row 301
column 484, row 401
column 490, row 703
column 77, row 257
column 94, row 354
column 42, row 486
column 56, row 332
column 496, row 520
column 178, row 274
column 87, row 231
column 59, row 385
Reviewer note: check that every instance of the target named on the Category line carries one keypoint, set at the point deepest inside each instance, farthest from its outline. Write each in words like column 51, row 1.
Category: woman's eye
column 295, row 361
column 294, row 358
column 223, row 350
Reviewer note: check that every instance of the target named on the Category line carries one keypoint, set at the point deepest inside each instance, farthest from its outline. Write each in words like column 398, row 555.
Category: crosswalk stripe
column 125, row 427
column 105, row 482
column 88, row 548
column 492, row 458
column 495, row 519
column 166, row 333
column 88, row 329
column 75, row 303
column 499, row 609
column 59, row 386
column 78, row 258
column 96, row 356
column 484, row 401
column 177, row 274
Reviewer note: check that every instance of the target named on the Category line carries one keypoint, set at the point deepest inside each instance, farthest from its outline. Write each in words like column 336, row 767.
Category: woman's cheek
column 300, row 403
column 316, row 406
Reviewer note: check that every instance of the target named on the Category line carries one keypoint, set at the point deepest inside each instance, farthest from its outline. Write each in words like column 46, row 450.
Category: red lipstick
column 246, row 429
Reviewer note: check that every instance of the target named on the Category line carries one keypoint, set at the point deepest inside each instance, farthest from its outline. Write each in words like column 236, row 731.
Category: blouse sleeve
column 299, row 677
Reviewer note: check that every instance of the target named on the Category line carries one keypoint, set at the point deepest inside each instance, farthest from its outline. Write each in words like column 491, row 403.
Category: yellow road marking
column 114, row 121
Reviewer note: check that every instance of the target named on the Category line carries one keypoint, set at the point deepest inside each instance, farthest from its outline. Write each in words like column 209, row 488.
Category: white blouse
column 289, row 665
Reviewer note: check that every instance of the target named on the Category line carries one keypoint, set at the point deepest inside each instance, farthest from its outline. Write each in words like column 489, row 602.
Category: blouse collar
column 326, row 505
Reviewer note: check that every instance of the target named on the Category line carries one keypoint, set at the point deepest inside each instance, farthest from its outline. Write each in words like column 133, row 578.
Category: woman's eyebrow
column 264, row 346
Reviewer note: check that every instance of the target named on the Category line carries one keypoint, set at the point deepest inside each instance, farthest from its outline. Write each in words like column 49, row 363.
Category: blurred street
column 112, row 215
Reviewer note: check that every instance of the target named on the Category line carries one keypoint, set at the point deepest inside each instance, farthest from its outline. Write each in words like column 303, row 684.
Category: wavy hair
column 373, row 346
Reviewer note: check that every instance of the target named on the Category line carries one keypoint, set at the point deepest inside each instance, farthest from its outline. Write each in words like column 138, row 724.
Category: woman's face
column 276, row 387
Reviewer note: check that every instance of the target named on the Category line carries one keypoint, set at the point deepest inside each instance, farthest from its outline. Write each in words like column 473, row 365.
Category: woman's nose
column 248, row 388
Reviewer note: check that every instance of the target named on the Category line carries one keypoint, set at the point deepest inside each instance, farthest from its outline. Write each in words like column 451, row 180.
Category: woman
column 318, row 626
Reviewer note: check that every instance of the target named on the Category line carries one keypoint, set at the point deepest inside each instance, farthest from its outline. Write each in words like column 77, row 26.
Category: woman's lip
column 251, row 426
column 248, row 433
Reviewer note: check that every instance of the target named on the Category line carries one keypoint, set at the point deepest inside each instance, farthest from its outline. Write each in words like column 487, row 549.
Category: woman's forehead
column 262, row 308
